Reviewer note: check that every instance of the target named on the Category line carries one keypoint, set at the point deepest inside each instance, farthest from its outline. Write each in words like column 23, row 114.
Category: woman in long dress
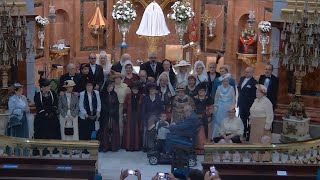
column 18, row 109
column 261, row 118
column 183, row 69
column 218, row 81
column 129, row 73
column 166, row 93
column 69, row 110
column 106, row 65
column 224, row 99
column 132, row 115
column 46, row 122
column 109, row 133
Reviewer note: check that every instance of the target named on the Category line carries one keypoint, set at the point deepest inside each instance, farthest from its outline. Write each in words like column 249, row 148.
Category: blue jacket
column 187, row 128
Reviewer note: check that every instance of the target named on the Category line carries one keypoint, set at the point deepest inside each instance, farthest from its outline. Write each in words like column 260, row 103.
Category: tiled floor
column 111, row 163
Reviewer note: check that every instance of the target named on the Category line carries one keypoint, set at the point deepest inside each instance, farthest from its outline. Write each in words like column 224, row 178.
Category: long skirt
column 131, row 135
column 46, row 127
column 86, row 127
column 201, row 137
column 121, row 121
column 21, row 129
column 109, row 135
column 70, row 123
column 257, row 131
column 219, row 114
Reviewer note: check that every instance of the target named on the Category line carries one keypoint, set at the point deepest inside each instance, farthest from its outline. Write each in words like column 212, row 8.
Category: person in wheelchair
column 162, row 131
column 183, row 133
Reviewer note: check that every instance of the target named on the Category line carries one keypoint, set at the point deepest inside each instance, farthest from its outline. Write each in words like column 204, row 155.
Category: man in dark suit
column 70, row 75
column 152, row 67
column 247, row 95
column 95, row 72
column 271, row 82
column 118, row 66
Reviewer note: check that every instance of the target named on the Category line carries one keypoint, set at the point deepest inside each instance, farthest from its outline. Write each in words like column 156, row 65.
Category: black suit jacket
column 76, row 79
column 247, row 94
column 117, row 67
column 211, row 81
column 147, row 67
column 98, row 76
column 272, row 91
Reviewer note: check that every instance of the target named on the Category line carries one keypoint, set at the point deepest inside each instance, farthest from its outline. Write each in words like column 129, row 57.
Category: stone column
column 30, row 59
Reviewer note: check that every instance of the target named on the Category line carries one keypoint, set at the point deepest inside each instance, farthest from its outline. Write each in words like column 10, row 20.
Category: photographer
column 125, row 173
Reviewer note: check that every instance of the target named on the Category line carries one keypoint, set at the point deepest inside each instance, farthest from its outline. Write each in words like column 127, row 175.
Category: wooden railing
column 304, row 152
column 11, row 146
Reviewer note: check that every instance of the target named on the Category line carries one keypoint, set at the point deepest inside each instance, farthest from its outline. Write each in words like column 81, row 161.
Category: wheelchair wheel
column 192, row 162
column 153, row 160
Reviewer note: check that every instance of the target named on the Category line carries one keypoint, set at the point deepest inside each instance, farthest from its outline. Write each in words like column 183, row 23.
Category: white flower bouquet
column 124, row 12
column 42, row 21
column 264, row 26
column 181, row 11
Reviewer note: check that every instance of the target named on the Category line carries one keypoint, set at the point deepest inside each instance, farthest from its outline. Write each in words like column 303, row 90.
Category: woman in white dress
column 69, row 110
column 105, row 63
column 183, row 69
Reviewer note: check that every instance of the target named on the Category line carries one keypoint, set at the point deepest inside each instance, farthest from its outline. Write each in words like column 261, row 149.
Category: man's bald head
column 125, row 57
column 152, row 57
column 249, row 72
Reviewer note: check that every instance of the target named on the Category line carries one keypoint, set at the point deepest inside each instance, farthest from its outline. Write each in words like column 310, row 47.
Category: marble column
column 30, row 59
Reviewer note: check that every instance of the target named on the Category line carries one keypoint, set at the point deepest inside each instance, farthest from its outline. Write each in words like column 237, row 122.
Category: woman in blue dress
column 218, row 81
column 224, row 99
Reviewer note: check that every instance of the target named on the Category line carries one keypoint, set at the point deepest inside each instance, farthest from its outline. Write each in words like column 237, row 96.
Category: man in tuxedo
column 70, row 75
column 95, row 72
column 118, row 66
column 152, row 67
column 247, row 95
column 271, row 82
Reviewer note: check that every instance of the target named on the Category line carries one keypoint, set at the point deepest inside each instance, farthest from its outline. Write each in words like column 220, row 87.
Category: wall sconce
column 52, row 12
column 252, row 18
column 211, row 25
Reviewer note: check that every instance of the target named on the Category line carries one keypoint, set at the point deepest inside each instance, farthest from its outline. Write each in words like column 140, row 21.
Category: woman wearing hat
column 261, row 118
column 109, row 133
column 191, row 88
column 224, row 98
column 46, row 122
column 218, row 81
column 179, row 102
column 90, row 108
column 122, row 90
column 203, row 104
column 166, row 92
column 132, row 118
column 18, row 109
column 200, row 72
column 151, row 108
column 183, row 69
column 69, row 109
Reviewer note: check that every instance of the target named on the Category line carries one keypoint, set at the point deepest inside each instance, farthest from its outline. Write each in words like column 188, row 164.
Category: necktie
column 267, row 82
column 154, row 68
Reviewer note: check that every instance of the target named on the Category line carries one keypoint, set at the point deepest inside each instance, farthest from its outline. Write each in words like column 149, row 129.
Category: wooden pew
column 46, row 168
column 263, row 171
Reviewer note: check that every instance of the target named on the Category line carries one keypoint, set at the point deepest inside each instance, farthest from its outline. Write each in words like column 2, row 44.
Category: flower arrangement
column 42, row 21
column 248, row 37
column 181, row 11
column 124, row 12
column 264, row 26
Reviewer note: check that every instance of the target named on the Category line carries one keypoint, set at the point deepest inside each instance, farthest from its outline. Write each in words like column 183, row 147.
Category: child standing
column 162, row 132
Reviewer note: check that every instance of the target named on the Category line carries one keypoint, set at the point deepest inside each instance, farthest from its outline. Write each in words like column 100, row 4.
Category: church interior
column 41, row 38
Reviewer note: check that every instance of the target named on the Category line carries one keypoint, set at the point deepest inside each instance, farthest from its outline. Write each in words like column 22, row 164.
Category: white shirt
column 267, row 82
column 245, row 82
column 93, row 68
column 153, row 67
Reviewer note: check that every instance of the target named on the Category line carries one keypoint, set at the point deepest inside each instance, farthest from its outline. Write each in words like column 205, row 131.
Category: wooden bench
column 261, row 171
column 46, row 168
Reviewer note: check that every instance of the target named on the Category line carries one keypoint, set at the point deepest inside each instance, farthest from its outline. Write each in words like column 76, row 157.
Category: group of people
column 118, row 106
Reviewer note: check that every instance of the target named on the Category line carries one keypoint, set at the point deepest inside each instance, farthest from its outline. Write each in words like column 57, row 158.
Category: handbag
column 69, row 131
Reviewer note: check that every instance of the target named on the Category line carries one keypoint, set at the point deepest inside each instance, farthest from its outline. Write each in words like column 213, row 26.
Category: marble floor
column 111, row 163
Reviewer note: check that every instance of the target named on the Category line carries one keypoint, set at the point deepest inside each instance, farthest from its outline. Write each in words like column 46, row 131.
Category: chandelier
column 301, row 43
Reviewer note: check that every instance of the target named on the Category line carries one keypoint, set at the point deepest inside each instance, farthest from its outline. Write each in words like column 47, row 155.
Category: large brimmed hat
column 180, row 87
column 261, row 88
column 182, row 63
column 114, row 74
column 17, row 85
column 69, row 83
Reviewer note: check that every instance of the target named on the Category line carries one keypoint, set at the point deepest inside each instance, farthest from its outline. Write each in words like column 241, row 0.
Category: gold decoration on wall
column 55, row 54
column 162, row 3
column 249, row 59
